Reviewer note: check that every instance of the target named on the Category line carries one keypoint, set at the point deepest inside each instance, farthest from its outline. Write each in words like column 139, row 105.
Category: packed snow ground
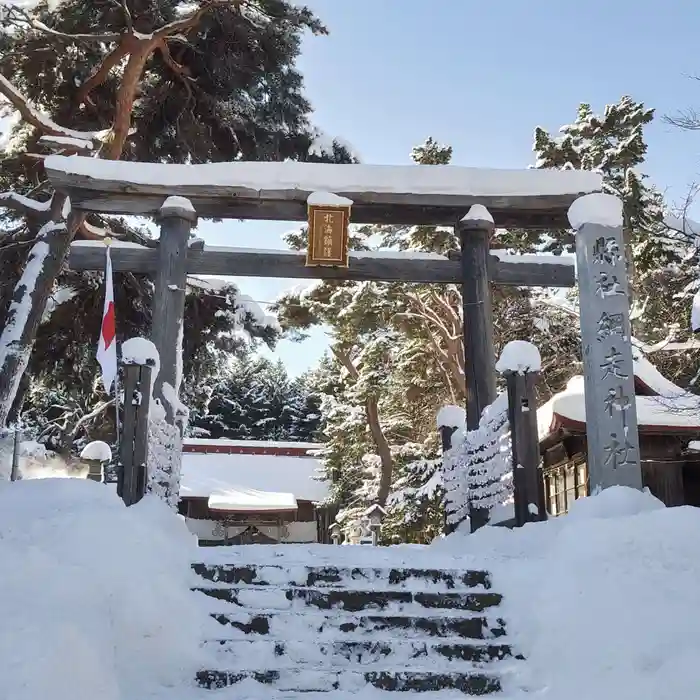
column 94, row 597
column 95, row 603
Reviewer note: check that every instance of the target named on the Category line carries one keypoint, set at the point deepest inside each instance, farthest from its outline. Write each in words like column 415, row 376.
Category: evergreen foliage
column 257, row 400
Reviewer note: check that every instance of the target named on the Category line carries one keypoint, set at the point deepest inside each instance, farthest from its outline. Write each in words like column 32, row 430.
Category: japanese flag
column 695, row 313
column 106, row 346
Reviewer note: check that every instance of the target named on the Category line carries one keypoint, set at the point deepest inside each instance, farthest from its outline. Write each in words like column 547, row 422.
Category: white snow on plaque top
column 451, row 417
column 478, row 212
column 264, row 178
column 177, row 202
column 97, row 450
column 598, row 208
column 519, row 356
column 327, row 199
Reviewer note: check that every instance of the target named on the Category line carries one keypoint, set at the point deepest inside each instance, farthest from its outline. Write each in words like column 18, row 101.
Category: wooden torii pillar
column 434, row 198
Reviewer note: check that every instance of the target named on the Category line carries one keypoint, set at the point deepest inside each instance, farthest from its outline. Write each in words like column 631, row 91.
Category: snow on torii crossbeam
column 473, row 201
column 381, row 194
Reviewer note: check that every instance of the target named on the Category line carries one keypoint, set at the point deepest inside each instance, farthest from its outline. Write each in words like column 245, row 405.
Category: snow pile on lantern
column 94, row 597
column 603, row 602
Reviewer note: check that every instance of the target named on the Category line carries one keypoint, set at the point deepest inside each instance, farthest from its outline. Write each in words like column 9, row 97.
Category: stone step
column 291, row 625
column 348, row 652
column 348, row 600
column 334, row 576
column 471, row 682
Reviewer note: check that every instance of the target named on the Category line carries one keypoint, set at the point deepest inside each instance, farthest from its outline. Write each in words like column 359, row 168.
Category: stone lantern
column 96, row 455
column 374, row 516
column 335, row 531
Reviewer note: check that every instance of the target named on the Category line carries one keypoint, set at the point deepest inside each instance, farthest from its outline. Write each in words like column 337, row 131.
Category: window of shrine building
column 565, row 483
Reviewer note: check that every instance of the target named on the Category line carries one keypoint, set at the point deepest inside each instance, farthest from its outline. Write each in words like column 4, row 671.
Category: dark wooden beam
column 240, row 262
column 440, row 196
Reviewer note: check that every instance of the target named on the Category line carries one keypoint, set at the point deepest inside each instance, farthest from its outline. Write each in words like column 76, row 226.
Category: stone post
column 611, row 411
column 520, row 365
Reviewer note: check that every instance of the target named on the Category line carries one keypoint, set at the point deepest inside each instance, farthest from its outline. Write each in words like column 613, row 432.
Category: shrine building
column 245, row 492
column 669, row 422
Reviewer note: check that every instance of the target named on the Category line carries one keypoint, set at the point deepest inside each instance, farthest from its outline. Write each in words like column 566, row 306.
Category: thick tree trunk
column 28, row 303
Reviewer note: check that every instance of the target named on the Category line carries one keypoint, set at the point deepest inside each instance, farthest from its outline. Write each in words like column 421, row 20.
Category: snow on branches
column 477, row 471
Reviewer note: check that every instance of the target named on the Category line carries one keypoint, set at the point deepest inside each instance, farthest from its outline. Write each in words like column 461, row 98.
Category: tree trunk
column 375, row 427
column 28, row 303
column 383, row 449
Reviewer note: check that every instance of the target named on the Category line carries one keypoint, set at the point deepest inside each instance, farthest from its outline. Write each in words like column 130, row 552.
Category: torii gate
column 407, row 195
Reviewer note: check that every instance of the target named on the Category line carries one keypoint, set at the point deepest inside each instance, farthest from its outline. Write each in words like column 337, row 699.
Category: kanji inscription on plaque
column 328, row 236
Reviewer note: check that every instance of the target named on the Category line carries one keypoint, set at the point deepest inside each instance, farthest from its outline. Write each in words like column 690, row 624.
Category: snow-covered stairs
column 325, row 627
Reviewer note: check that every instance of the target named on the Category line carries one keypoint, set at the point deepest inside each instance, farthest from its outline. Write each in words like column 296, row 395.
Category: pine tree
column 203, row 81
column 256, row 400
column 662, row 262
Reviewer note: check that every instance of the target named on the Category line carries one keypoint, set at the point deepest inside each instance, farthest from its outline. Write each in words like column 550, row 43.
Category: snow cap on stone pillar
column 601, row 209
column 178, row 207
column 478, row 217
column 519, row 357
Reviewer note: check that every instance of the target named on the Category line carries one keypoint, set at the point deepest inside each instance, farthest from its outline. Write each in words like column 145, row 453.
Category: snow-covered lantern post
column 335, row 530
column 520, row 364
column 450, row 419
column 96, row 455
column 141, row 365
column 374, row 516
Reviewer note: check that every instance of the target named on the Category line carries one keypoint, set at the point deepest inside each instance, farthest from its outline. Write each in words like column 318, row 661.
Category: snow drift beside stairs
column 94, row 597
column 604, row 603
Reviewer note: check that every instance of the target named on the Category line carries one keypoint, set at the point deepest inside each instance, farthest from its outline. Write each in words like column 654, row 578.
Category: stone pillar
column 475, row 231
column 177, row 218
column 611, row 411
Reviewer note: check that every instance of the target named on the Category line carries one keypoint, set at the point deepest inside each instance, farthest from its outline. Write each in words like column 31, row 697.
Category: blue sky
column 480, row 77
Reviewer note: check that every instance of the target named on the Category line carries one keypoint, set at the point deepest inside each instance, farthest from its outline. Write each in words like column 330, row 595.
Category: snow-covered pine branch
column 36, row 117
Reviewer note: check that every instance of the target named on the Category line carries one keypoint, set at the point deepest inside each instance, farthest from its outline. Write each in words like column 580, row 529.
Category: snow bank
column 94, row 597
column 603, row 603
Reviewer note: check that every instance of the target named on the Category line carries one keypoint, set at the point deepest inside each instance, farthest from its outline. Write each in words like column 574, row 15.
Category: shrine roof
column 228, row 469
column 662, row 406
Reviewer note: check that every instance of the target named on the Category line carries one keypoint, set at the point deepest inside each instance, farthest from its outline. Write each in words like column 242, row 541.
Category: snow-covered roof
column 203, row 443
column 244, row 500
column 671, row 408
column 228, row 475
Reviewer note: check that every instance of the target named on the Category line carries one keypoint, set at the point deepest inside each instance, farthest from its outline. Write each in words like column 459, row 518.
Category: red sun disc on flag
column 108, row 325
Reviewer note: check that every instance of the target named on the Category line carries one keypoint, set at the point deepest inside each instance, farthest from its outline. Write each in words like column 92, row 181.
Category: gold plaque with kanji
column 328, row 236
